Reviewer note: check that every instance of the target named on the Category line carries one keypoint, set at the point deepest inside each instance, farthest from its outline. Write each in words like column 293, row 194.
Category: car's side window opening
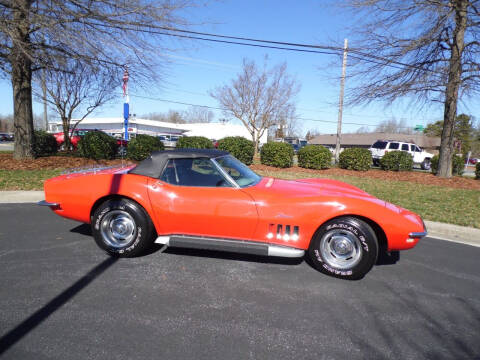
column 193, row 172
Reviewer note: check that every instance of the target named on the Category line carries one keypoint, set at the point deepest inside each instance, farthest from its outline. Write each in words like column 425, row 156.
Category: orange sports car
column 207, row 199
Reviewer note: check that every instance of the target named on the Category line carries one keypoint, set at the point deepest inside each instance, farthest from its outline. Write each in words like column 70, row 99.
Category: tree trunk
column 66, row 133
column 255, row 144
column 451, row 92
column 22, row 85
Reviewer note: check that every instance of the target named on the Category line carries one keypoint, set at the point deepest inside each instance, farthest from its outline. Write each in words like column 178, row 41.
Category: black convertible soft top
column 153, row 165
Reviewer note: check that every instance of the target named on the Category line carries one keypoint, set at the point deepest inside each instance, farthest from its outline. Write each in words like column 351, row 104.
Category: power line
column 223, row 109
column 312, row 46
column 332, row 50
column 337, row 50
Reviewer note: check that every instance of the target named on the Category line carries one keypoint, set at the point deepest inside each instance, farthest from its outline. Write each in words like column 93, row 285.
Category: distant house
column 365, row 140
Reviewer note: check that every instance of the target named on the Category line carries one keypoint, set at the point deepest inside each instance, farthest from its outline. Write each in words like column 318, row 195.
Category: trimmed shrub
column 142, row 146
column 477, row 171
column 239, row 147
column 44, row 144
column 434, row 163
column 355, row 159
column 458, row 165
column 194, row 142
column 277, row 154
column 97, row 145
column 314, row 157
column 397, row 161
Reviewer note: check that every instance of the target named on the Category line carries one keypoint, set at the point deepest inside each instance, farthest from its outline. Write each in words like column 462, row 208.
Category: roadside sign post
column 468, row 159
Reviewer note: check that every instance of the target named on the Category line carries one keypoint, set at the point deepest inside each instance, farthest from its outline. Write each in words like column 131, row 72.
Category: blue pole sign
column 126, row 111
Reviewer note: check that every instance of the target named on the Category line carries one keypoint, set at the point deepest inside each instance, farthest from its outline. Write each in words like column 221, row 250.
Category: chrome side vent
column 284, row 232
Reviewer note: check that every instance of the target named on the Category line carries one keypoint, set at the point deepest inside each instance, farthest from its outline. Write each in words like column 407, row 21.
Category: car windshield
column 238, row 171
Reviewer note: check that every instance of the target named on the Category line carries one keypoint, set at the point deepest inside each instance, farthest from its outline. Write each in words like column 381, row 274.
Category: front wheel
column 122, row 228
column 345, row 247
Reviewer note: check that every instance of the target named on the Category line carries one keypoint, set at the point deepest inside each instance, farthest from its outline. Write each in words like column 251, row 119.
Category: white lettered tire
column 122, row 228
column 344, row 247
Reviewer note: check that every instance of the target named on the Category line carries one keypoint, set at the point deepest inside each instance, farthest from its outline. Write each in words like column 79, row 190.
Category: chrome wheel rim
column 340, row 249
column 118, row 228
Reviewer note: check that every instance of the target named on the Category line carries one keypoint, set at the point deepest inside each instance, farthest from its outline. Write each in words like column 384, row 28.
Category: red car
column 77, row 134
column 207, row 199
column 75, row 137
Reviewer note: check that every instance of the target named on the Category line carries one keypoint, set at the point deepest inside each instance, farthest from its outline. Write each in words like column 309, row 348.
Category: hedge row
column 277, row 154
column 397, row 161
column 44, row 144
column 355, row 159
column 477, row 171
column 458, row 165
column 97, row 145
column 314, row 157
column 238, row 146
column 194, row 142
column 142, row 146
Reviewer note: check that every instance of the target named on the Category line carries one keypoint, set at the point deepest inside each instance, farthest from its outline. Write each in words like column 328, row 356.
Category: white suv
column 420, row 156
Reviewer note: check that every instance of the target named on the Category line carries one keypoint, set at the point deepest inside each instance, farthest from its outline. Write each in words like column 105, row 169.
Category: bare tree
column 154, row 116
column 36, row 34
column 363, row 130
column 77, row 91
column 311, row 134
column 394, row 126
column 259, row 98
column 198, row 114
column 427, row 50
column 6, row 123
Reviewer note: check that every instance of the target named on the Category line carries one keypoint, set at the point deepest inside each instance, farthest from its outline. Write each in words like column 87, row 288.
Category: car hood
column 313, row 187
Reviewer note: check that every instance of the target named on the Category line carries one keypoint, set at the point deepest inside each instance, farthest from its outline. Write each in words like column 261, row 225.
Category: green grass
column 25, row 179
column 435, row 203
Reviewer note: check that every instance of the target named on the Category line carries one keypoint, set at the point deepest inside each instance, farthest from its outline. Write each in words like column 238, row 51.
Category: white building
column 215, row 131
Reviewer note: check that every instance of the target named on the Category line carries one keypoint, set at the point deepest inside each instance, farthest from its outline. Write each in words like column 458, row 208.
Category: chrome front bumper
column 417, row 235
column 46, row 203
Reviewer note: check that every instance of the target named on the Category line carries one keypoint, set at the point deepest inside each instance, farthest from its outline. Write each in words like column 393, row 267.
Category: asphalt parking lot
column 62, row 298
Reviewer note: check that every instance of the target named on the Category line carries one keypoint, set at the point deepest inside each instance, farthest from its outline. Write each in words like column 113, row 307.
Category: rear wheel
column 426, row 165
column 121, row 227
column 345, row 247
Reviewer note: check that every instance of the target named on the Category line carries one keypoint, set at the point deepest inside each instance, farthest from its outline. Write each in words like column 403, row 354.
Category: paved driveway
column 6, row 145
column 62, row 298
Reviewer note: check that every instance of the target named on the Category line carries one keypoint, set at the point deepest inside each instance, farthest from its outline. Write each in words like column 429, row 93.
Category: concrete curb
column 455, row 233
column 448, row 232
column 21, row 197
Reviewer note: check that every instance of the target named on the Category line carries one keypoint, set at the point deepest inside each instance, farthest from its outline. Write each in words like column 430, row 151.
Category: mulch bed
column 53, row 162
column 67, row 162
column 410, row 176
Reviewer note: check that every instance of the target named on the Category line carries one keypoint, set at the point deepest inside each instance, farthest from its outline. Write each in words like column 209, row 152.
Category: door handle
column 156, row 185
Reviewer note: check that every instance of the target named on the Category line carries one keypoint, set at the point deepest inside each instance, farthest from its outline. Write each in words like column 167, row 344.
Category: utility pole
column 340, row 103
column 44, row 89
